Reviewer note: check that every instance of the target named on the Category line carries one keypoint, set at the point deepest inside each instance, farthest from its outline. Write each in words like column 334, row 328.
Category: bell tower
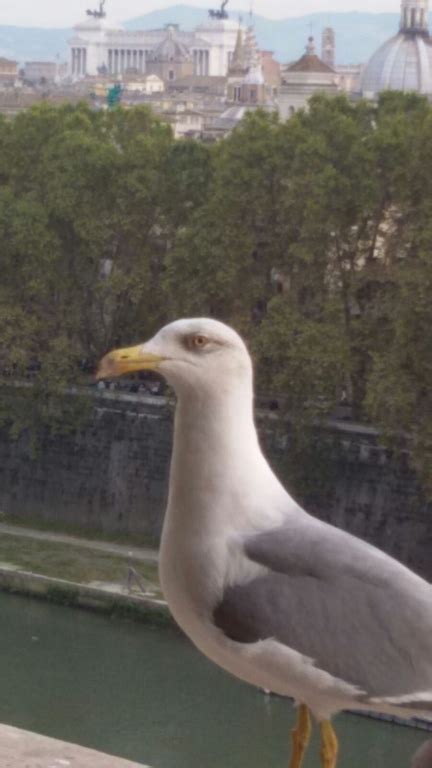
column 328, row 47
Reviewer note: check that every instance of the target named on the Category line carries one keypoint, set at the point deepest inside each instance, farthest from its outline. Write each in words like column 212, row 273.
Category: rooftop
column 310, row 62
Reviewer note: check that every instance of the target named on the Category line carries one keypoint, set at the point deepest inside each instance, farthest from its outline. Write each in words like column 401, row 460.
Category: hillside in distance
column 33, row 43
column 357, row 34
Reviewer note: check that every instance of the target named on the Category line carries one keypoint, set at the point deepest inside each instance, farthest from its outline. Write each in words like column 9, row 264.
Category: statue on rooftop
column 98, row 14
column 221, row 13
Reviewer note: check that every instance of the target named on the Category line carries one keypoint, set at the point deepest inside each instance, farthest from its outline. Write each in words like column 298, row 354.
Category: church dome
column 403, row 63
column 170, row 48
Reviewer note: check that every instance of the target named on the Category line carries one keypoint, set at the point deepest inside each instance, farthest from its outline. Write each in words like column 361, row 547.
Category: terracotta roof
column 309, row 63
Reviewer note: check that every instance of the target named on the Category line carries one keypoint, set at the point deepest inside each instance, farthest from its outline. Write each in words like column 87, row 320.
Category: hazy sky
column 65, row 13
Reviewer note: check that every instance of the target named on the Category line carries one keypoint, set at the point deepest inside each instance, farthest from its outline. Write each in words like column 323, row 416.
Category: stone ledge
column 22, row 749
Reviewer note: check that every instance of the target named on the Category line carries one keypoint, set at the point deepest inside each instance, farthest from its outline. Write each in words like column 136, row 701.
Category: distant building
column 98, row 46
column 271, row 70
column 171, row 59
column 8, row 71
column 147, row 84
column 186, row 122
column 349, row 77
column 238, row 67
column 253, row 75
column 403, row 63
column 248, row 95
column 328, row 47
column 252, row 89
column 301, row 80
column 40, row 72
column 200, row 85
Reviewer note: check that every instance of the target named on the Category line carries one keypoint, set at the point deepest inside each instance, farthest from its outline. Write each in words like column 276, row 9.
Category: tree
column 79, row 210
column 312, row 237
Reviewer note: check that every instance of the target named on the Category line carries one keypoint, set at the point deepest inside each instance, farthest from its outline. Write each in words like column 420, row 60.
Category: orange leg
column 329, row 745
column 300, row 736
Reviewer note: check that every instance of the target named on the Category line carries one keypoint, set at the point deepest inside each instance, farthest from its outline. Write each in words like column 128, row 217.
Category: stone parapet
column 22, row 749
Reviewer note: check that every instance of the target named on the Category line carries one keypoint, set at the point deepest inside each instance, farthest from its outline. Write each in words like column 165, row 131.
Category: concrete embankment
column 112, row 601
column 22, row 749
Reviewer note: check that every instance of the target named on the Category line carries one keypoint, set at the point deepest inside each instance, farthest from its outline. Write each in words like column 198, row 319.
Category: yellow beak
column 128, row 360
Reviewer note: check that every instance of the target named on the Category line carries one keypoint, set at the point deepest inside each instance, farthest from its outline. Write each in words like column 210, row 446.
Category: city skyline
column 50, row 13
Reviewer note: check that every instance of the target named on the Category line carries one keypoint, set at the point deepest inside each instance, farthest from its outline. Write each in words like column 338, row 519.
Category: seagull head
column 197, row 354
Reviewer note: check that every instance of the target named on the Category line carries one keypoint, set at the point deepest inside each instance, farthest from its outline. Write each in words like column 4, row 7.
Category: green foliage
column 303, row 359
column 399, row 393
column 325, row 208
column 313, row 237
column 80, row 202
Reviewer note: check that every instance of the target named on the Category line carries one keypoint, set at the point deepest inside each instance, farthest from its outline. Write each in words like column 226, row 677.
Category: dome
column 170, row 49
column 403, row 63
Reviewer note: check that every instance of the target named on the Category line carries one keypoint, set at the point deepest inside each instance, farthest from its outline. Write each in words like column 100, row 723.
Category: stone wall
column 370, row 493
column 112, row 476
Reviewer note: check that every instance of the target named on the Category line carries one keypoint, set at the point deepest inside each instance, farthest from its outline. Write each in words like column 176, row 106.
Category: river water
column 149, row 696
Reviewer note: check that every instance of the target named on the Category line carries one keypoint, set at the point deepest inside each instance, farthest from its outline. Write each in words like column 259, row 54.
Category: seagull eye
column 198, row 341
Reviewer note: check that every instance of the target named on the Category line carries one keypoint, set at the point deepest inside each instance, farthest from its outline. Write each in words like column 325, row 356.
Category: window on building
column 171, row 74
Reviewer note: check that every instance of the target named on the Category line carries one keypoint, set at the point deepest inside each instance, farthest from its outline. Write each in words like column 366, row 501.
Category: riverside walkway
column 145, row 554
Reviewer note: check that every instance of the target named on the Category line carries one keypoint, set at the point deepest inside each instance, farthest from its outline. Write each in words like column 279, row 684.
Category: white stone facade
column 298, row 89
column 98, row 47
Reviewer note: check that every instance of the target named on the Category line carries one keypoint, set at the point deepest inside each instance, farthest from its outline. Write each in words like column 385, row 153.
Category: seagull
column 276, row 597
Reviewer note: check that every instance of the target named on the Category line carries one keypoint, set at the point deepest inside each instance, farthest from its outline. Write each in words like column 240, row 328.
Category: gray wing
column 361, row 616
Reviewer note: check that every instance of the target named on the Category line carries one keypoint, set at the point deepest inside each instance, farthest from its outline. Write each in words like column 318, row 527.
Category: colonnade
column 79, row 61
column 119, row 60
column 122, row 59
column 201, row 61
